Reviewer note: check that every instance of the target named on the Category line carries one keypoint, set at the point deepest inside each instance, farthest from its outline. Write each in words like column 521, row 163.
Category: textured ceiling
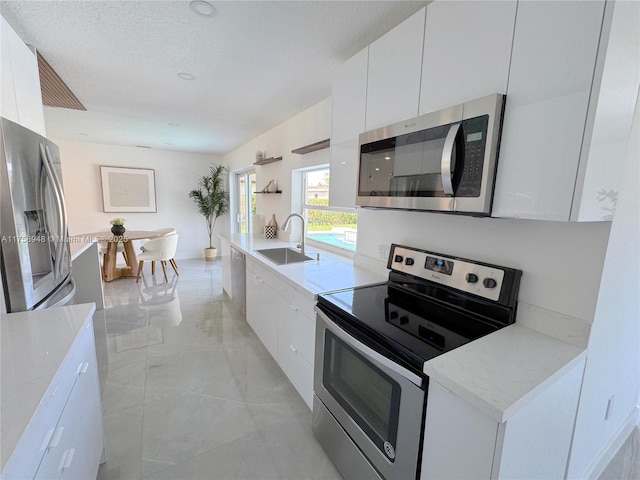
column 255, row 64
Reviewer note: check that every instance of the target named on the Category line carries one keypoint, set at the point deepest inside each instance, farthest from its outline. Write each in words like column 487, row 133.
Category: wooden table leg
column 132, row 260
column 110, row 258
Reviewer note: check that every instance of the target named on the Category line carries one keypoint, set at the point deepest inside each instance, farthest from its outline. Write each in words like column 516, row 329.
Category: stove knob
column 489, row 283
column 398, row 259
column 408, row 261
column 471, row 278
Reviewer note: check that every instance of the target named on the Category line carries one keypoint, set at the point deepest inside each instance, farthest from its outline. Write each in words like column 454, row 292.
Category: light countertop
column 34, row 345
column 332, row 272
column 502, row 372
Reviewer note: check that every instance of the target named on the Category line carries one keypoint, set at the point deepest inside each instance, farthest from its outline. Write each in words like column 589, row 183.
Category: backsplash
column 561, row 262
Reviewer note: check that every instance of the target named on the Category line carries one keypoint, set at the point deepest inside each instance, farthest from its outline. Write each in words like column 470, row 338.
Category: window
column 337, row 227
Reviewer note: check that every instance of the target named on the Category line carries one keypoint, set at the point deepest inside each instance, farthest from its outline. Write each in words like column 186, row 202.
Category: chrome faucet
column 286, row 225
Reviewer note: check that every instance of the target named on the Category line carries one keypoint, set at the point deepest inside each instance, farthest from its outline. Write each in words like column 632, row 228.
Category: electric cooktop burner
column 431, row 304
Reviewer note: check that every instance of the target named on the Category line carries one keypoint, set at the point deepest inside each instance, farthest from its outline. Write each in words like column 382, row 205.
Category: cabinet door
column 395, row 64
column 263, row 311
column 469, row 61
column 8, row 107
column 348, row 105
column 296, row 367
column 23, row 67
column 552, row 67
column 459, row 440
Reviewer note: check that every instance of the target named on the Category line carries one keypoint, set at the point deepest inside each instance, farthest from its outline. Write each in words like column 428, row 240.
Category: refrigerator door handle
column 60, row 208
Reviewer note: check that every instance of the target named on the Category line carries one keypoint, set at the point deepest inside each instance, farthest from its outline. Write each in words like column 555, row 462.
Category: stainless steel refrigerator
column 34, row 252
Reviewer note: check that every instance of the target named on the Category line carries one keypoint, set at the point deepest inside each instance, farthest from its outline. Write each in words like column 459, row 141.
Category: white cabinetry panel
column 552, row 66
column 348, row 106
column 20, row 82
column 448, row 416
column 461, row 442
column 610, row 114
column 395, row 65
column 262, row 312
column 470, row 60
column 282, row 317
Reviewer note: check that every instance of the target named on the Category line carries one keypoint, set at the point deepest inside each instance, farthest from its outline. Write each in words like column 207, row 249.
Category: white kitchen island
column 50, row 413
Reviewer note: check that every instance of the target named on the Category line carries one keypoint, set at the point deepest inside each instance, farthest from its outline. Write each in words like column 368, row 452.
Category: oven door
column 378, row 404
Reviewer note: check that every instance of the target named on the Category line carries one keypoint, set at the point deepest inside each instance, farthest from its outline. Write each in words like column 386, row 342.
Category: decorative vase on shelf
column 271, row 228
column 118, row 229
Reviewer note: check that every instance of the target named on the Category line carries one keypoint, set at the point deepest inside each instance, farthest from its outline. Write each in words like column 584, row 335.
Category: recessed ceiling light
column 186, row 76
column 83, row 134
column 202, row 8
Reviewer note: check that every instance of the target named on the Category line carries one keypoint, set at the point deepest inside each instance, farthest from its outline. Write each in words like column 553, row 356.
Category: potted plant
column 212, row 202
column 118, row 226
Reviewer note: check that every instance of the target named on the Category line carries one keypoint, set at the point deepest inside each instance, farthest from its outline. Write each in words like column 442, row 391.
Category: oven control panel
column 465, row 275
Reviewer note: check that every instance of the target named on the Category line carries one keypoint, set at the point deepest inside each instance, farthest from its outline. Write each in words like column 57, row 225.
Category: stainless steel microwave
column 443, row 161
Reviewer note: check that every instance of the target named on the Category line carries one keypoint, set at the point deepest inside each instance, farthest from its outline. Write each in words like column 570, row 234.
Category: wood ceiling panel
column 55, row 92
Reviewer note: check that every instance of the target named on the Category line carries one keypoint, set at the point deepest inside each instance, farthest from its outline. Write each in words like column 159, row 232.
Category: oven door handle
column 367, row 351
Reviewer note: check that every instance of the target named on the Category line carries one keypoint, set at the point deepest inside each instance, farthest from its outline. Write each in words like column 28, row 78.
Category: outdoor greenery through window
column 330, row 225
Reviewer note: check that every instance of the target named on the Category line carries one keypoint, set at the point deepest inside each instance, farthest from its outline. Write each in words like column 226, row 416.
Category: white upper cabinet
column 395, row 65
column 467, row 49
column 21, row 100
column 348, row 106
column 610, row 114
column 552, row 103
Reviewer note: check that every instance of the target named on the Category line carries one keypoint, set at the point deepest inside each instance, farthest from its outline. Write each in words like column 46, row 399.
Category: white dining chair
column 161, row 250
column 162, row 232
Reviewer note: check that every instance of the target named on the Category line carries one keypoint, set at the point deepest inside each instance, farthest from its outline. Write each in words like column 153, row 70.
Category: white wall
column 176, row 173
column 613, row 362
column 309, row 126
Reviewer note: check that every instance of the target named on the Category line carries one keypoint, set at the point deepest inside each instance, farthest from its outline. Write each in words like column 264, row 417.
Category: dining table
column 110, row 270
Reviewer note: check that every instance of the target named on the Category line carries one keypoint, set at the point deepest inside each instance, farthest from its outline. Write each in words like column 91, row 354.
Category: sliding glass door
column 244, row 201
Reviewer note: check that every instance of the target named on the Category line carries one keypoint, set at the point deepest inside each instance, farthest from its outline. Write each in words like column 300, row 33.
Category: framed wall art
column 128, row 189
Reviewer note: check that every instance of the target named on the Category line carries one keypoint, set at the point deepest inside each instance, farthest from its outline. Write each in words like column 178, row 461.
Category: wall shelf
column 313, row 147
column 270, row 193
column 266, row 161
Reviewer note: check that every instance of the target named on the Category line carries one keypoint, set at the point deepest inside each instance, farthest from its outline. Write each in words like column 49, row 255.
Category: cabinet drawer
column 300, row 330
column 296, row 367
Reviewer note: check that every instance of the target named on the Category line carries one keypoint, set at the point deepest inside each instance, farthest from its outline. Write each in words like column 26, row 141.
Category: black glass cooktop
column 411, row 327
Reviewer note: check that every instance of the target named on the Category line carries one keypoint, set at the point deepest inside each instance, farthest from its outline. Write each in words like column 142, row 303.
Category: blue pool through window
column 337, row 239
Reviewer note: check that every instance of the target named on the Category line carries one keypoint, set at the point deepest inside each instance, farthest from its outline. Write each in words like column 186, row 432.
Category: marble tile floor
column 626, row 464
column 189, row 392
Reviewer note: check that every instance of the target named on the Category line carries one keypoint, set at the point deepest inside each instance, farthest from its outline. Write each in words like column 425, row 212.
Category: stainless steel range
column 371, row 345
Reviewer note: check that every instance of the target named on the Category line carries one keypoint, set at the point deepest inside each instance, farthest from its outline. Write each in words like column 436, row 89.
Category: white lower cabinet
column 64, row 438
column 283, row 318
column 461, row 442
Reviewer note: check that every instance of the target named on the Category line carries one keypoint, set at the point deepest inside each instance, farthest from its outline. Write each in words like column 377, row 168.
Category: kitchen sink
column 283, row 255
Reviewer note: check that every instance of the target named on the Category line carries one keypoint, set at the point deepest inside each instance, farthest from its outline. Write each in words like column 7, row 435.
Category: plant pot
column 210, row 253
column 118, row 229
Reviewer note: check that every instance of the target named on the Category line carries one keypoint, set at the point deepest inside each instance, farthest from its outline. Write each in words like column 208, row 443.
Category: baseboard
column 607, row 454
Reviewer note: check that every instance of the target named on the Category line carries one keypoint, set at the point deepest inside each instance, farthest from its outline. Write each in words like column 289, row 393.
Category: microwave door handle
column 367, row 351
column 447, row 164
column 54, row 186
